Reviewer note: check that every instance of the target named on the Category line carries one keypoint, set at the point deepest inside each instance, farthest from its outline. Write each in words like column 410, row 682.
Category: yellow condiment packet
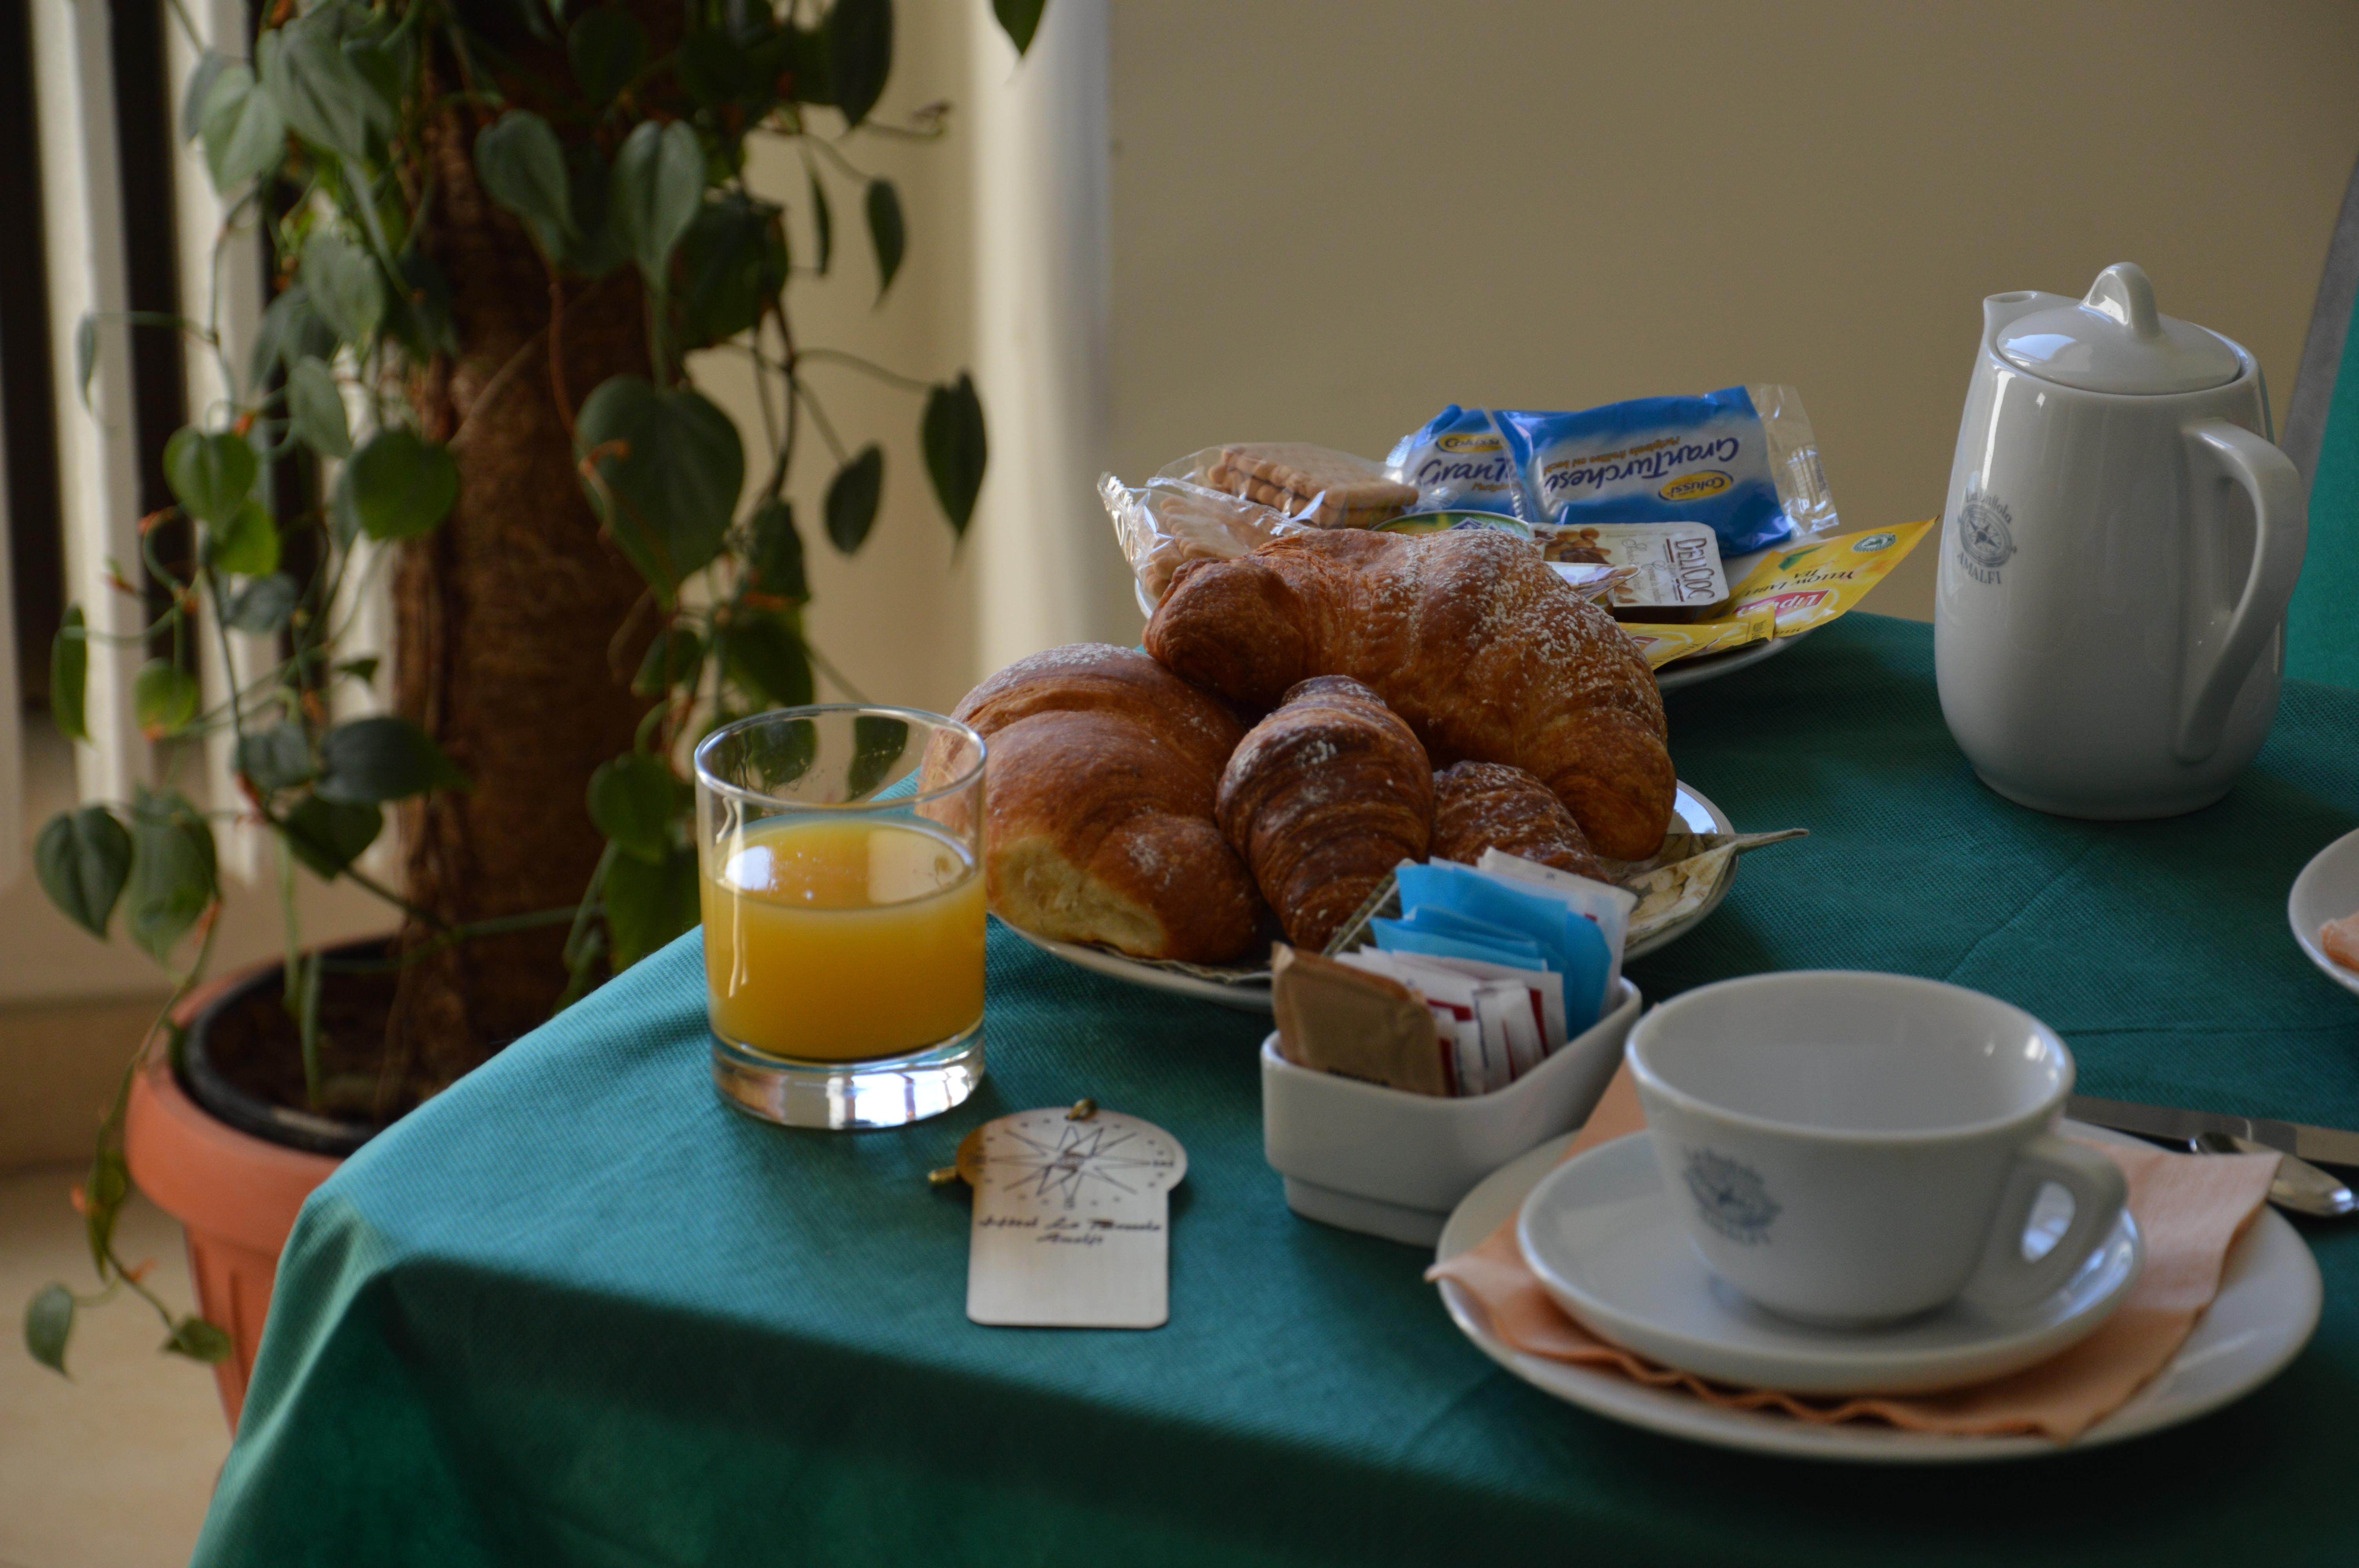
column 1662, row 643
column 1788, row 591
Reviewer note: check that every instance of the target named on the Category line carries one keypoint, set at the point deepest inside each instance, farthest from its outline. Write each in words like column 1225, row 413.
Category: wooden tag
column 1072, row 1225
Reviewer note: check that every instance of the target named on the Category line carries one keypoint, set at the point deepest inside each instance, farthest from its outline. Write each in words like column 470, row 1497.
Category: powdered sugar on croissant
column 1467, row 635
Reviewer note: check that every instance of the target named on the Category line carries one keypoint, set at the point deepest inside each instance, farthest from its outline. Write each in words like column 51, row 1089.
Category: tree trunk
column 515, row 629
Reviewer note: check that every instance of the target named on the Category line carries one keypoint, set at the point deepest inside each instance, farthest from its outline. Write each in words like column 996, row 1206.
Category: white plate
column 1601, row 1234
column 2267, row 1305
column 2328, row 889
column 1687, row 672
column 1700, row 815
column 1712, row 666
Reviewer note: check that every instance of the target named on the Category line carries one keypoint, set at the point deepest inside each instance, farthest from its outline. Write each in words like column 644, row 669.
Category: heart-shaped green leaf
column 329, row 835
column 262, row 607
column 276, row 758
column 247, row 543
column 732, row 262
column 775, row 565
column 956, row 448
column 48, row 1323
column 399, row 485
column 345, row 285
column 634, row 800
column 199, row 1341
column 369, row 760
column 822, row 223
column 523, row 168
column 887, row 232
column 244, row 135
column 668, row 465
column 853, row 496
column 1019, row 19
column 213, row 471
column 327, row 99
column 766, row 655
column 316, row 407
column 290, row 330
column 172, row 871
column 673, row 659
column 649, row 906
column 859, row 54
column 607, row 48
column 652, row 195
column 82, row 859
column 163, row 699
column 69, row 676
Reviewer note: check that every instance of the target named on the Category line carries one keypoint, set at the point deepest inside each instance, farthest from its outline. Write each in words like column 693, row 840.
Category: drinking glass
column 839, row 853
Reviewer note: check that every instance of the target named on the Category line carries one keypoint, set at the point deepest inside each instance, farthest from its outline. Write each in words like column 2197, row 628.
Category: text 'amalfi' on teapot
column 2119, row 544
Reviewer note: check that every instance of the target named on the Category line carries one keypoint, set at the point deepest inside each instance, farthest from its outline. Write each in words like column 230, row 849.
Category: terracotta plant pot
column 235, row 1193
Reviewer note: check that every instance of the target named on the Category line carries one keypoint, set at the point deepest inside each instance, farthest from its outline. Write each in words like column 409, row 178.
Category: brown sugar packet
column 1332, row 1018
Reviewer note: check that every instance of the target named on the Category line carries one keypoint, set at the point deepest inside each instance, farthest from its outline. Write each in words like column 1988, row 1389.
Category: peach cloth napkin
column 2191, row 1209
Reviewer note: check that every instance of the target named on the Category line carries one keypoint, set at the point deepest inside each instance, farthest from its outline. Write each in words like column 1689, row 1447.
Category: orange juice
column 837, row 941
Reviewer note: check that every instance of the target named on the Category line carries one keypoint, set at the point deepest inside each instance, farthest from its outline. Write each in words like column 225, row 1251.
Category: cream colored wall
column 1331, row 219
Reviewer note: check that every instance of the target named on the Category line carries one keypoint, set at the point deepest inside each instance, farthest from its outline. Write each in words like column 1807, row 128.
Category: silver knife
column 2299, row 1185
column 2320, row 1145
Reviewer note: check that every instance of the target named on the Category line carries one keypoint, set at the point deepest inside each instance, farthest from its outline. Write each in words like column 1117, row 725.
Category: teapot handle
column 2229, row 454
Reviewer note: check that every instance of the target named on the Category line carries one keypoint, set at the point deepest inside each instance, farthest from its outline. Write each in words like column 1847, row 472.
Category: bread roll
column 1467, row 635
column 1489, row 806
column 1099, row 777
column 1324, row 797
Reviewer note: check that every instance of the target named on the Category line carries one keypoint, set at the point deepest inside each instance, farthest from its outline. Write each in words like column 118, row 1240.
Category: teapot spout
column 2123, row 292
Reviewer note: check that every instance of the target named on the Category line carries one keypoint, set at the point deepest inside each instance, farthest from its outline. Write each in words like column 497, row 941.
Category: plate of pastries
column 1303, row 718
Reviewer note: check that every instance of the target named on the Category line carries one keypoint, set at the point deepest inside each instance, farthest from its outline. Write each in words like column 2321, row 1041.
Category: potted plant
column 499, row 234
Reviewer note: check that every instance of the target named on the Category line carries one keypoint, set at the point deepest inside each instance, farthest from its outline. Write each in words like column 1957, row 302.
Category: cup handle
column 2226, row 454
column 2006, row 1279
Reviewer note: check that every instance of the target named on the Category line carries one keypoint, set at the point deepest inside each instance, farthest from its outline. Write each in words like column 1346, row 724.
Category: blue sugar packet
column 1450, row 923
column 1742, row 460
column 1571, row 945
column 1396, row 937
column 1459, row 462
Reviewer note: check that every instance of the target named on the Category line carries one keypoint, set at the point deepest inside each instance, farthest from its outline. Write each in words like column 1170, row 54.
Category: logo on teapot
column 1985, row 536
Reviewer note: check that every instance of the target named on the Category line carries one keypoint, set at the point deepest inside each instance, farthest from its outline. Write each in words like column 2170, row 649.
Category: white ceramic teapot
column 2117, row 550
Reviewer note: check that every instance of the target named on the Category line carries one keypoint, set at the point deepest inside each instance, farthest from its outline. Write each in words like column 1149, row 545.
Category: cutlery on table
column 2300, row 1185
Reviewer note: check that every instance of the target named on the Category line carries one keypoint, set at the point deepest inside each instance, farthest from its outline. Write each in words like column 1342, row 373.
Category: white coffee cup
column 1849, row 1149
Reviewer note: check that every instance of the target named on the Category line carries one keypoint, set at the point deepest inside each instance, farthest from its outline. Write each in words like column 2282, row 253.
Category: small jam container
column 1394, row 1164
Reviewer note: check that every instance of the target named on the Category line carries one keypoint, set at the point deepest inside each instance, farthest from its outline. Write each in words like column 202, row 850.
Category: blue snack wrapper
column 1654, row 459
column 1459, row 461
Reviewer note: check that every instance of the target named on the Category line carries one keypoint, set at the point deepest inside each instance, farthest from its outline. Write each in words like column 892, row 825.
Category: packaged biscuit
column 1459, row 462
column 1743, row 461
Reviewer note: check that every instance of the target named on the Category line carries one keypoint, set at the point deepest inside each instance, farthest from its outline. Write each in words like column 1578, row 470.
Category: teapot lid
column 2115, row 341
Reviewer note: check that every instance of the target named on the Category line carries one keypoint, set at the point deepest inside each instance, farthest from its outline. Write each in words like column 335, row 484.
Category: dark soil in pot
column 242, row 1059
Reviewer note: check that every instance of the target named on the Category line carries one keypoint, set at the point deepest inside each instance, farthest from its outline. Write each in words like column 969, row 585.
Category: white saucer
column 2328, row 889
column 2268, row 1306
column 1601, row 1234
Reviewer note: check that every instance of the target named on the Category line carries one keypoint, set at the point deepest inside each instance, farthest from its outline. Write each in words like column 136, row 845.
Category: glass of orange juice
column 839, row 853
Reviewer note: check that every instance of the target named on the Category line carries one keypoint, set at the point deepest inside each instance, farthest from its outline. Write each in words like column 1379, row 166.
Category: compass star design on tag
column 1071, row 1226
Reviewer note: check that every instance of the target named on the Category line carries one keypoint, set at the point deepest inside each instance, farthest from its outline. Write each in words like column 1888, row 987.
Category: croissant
column 1099, row 775
column 1324, row 797
column 1489, row 806
column 1466, row 634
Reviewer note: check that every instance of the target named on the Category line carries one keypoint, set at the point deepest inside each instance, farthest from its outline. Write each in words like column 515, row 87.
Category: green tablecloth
column 575, row 1309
